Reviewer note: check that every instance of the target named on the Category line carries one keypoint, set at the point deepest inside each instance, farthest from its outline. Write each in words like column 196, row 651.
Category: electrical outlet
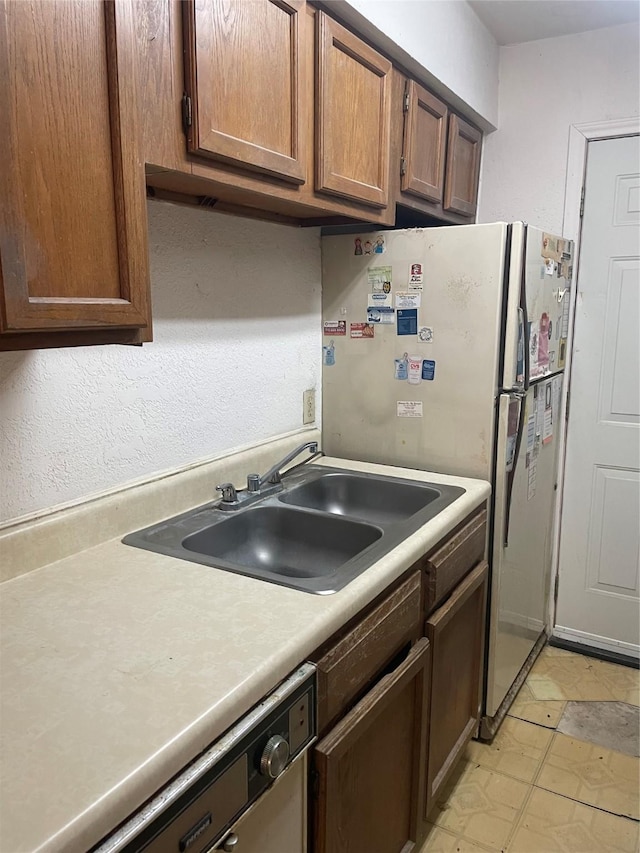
column 309, row 406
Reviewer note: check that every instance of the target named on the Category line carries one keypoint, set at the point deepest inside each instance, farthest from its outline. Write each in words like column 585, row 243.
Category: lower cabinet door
column 369, row 768
column 456, row 633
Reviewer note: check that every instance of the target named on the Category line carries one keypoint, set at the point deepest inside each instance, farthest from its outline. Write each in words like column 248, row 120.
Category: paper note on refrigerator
column 547, row 424
column 532, row 477
column 556, row 389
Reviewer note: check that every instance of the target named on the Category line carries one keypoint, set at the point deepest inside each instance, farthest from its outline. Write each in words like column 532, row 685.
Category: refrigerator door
column 522, row 568
column 548, row 270
column 378, row 404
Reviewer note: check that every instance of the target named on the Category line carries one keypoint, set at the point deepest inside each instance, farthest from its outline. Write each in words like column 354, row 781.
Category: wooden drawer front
column 446, row 568
column 456, row 634
column 350, row 665
column 370, row 766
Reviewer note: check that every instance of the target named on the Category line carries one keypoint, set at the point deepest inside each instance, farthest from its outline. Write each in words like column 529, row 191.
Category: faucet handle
column 253, row 482
column 229, row 494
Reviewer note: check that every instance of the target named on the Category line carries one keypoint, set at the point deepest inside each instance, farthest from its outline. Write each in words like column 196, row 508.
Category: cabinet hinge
column 405, row 103
column 582, row 203
column 187, row 116
column 403, row 166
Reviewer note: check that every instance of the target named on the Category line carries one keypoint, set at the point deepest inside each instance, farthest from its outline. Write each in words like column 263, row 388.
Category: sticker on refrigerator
column 415, row 277
column 335, row 328
column 378, row 245
column 550, row 248
column 357, row 246
column 329, row 355
column 382, row 299
column 425, row 335
column 407, row 321
column 401, row 367
column 379, row 279
column 543, row 341
column 549, row 266
column 409, row 408
column 362, row 330
column 404, row 299
column 415, row 369
column 428, row 369
column 381, row 314
column 532, row 479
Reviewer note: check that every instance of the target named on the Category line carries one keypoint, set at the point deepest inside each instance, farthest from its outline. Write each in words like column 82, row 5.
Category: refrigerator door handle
column 524, row 316
column 520, row 396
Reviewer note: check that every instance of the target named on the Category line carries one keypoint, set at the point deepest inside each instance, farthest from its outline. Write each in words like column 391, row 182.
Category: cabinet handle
column 230, row 843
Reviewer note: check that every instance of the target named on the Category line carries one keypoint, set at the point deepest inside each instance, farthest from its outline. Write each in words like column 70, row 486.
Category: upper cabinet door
column 463, row 167
column 425, row 139
column 244, row 67
column 73, row 248
column 353, row 116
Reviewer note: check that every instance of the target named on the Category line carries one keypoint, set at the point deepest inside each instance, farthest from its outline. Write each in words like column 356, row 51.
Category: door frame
column 579, row 137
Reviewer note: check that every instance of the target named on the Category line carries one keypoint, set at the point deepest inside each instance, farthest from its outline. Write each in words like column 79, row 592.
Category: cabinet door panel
column 425, row 138
column 369, row 766
column 463, row 166
column 456, row 633
column 244, row 69
column 72, row 212
column 353, row 116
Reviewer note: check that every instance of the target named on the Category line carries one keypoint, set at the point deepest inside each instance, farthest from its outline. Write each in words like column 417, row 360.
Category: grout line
column 518, row 819
column 588, row 805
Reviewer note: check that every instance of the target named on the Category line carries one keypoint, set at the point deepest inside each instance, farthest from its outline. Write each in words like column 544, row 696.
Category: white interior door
column 598, row 595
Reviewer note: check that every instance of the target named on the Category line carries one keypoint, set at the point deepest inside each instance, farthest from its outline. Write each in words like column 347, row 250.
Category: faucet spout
column 274, row 474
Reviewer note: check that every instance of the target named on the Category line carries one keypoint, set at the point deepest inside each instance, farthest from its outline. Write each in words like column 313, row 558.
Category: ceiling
column 515, row 21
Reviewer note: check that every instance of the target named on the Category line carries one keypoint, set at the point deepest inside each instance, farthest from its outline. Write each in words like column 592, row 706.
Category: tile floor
column 536, row 790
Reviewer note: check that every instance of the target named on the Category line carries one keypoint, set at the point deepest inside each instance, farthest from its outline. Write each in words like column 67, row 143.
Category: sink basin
column 283, row 541
column 375, row 499
column 323, row 529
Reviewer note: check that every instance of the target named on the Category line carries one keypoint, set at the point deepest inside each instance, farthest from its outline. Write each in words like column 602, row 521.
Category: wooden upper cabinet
column 73, row 246
column 353, row 116
column 424, row 143
column 244, row 77
column 463, row 167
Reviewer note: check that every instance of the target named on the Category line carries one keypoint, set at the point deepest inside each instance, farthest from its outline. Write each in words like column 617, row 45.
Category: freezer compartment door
column 522, row 542
column 548, row 272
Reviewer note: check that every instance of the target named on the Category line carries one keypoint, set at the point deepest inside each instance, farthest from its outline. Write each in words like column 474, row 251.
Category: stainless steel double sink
column 325, row 527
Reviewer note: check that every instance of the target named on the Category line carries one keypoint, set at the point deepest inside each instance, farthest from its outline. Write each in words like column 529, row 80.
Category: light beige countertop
column 118, row 666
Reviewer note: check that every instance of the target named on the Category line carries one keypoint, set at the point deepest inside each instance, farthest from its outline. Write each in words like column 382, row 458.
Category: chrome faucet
column 258, row 486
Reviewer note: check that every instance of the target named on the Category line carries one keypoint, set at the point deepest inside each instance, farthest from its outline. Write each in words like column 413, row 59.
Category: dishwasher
column 246, row 794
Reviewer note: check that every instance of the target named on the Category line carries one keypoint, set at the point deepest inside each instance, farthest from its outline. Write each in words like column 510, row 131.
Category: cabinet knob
column 274, row 757
column 230, row 843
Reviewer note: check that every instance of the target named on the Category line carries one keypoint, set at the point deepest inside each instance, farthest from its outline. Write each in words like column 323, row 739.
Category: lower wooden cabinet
column 368, row 771
column 456, row 633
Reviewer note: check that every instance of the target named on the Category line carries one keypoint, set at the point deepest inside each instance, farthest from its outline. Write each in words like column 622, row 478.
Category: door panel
column 599, row 564
column 73, row 219
column 425, row 139
column 370, row 766
column 353, row 116
column 254, row 115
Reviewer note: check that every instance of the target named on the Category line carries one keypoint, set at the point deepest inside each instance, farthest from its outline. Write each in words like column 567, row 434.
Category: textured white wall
column 446, row 38
column 236, row 307
column 546, row 86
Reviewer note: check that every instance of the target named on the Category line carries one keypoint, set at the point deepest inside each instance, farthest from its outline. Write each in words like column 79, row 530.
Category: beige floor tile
column 481, row 806
column 517, row 750
column 542, row 712
column 554, row 824
column 442, row 841
column 592, row 774
column 622, row 681
column 570, row 676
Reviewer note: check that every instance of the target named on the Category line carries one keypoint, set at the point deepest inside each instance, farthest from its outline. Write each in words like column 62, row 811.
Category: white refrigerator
column 444, row 349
